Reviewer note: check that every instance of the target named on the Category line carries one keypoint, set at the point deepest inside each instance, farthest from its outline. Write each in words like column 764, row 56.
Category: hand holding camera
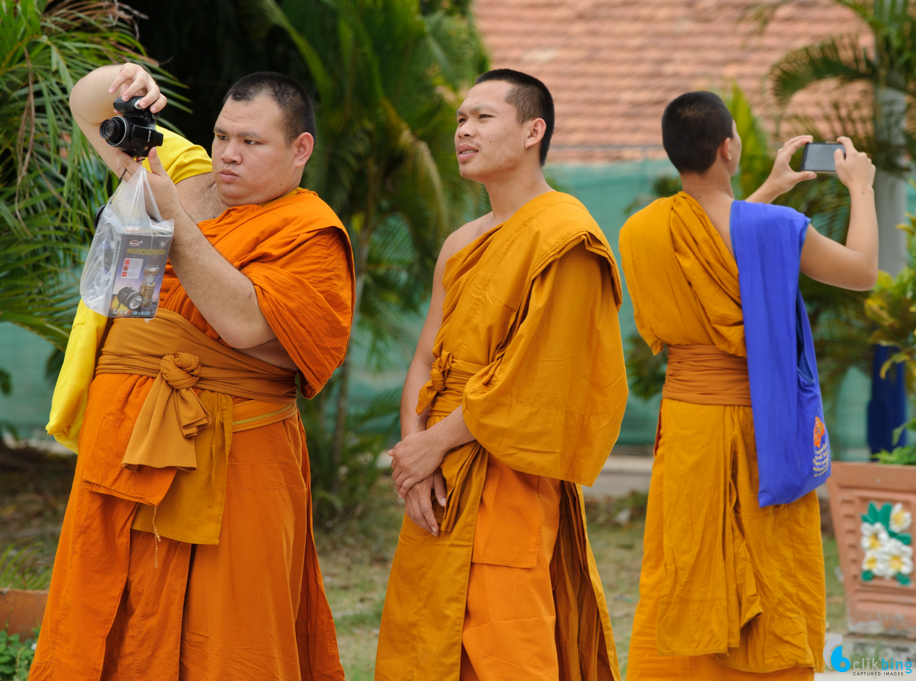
column 134, row 130
column 133, row 80
column 856, row 170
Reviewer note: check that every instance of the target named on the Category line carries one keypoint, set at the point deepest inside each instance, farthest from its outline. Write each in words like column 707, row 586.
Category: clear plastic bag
column 123, row 272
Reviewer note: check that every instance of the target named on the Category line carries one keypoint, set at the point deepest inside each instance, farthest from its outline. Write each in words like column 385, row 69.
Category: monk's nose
column 230, row 154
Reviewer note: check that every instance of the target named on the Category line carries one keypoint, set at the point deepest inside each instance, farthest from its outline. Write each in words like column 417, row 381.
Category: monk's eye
column 250, row 143
column 221, row 138
column 485, row 116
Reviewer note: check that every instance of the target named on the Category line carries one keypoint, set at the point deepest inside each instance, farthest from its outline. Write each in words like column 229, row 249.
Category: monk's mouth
column 228, row 177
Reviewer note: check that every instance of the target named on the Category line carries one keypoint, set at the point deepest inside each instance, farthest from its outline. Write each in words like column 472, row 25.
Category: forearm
column 862, row 235
column 764, row 194
column 417, row 377
column 90, row 100
column 450, row 432
column 224, row 296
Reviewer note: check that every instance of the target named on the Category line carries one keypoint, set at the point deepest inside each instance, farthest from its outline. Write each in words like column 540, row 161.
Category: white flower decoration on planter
column 886, row 543
column 870, row 562
column 874, row 537
column 896, row 557
column 900, row 519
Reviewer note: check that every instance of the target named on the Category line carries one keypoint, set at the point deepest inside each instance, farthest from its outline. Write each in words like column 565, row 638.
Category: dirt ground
column 356, row 554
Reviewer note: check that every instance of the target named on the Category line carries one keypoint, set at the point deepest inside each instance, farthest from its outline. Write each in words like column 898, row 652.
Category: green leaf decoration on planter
column 867, row 575
column 904, row 537
column 885, row 515
column 903, row 579
column 872, row 515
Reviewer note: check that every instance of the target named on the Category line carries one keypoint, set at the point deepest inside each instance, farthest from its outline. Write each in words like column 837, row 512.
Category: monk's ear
column 304, row 145
column 535, row 129
column 725, row 150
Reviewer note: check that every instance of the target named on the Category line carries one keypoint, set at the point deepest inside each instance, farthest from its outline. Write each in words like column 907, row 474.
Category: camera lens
column 113, row 130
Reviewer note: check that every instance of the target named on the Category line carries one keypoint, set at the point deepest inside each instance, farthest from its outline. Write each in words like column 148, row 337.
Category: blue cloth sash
column 793, row 448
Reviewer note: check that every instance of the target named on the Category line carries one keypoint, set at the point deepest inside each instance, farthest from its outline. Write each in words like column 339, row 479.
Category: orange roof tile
column 613, row 65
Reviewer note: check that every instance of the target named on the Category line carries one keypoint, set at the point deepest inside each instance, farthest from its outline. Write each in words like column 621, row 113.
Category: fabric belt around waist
column 704, row 374
column 202, row 393
column 448, row 377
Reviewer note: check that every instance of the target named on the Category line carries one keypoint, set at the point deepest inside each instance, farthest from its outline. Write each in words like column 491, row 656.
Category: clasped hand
column 415, row 458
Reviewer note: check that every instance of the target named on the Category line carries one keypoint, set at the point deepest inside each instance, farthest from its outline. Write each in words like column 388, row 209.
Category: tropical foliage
column 50, row 182
column 873, row 81
column 839, row 325
column 387, row 79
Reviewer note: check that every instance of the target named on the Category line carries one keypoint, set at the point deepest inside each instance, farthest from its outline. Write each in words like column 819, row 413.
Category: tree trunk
column 890, row 189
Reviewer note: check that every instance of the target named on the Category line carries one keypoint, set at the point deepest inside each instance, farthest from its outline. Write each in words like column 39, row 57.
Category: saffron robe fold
column 537, row 367
column 122, row 602
column 729, row 590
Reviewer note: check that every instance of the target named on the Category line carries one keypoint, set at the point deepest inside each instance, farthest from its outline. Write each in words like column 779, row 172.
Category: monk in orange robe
column 728, row 590
column 521, row 387
column 187, row 549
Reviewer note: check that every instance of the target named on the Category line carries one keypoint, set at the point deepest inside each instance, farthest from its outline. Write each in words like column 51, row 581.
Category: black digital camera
column 134, row 131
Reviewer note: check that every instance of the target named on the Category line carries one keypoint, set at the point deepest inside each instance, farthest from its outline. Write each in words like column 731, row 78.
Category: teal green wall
column 23, row 355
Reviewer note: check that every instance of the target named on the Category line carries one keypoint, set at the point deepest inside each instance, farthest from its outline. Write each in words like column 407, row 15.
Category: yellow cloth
column 753, row 577
column 530, row 348
column 68, row 404
column 181, row 160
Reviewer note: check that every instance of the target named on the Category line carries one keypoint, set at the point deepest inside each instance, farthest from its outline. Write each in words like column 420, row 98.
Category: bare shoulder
column 464, row 235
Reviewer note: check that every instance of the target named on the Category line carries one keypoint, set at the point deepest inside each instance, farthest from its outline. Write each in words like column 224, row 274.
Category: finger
column 847, row 145
column 838, row 158
column 806, row 138
column 439, row 488
column 415, row 515
column 796, row 143
column 127, row 163
column 155, row 163
column 152, row 94
column 124, row 75
column 426, row 507
column 133, row 88
column 159, row 104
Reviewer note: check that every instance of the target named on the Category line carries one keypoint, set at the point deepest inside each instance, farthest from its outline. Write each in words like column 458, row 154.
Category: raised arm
column 852, row 266
column 92, row 97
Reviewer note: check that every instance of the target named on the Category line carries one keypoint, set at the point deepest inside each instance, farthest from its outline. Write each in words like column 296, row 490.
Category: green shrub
column 16, row 656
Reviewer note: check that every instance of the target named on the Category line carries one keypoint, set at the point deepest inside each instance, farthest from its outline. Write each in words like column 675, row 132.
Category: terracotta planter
column 873, row 506
column 21, row 611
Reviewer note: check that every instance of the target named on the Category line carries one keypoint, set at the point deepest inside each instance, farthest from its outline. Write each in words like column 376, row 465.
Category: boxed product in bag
column 126, row 262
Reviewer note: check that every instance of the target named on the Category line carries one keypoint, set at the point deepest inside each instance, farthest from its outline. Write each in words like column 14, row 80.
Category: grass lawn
column 356, row 557
column 356, row 554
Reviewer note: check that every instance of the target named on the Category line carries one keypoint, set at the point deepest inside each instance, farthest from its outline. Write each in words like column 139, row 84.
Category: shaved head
column 289, row 95
column 531, row 100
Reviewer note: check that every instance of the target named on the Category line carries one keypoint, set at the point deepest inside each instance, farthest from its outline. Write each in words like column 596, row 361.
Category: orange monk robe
column 530, row 348
column 728, row 590
column 123, row 605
